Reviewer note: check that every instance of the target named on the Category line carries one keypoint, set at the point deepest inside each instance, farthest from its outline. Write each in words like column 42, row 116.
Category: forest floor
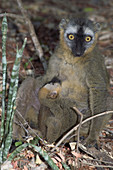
column 45, row 16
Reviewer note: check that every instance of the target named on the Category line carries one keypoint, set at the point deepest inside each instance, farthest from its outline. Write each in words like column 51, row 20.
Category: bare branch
column 26, row 123
column 78, row 133
column 102, row 166
column 75, row 128
column 33, row 34
column 12, row 16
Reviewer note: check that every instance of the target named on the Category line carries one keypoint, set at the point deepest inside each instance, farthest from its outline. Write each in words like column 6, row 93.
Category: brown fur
column 84, row 84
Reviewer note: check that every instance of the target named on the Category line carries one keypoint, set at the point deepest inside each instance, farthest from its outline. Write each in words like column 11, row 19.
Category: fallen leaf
column 72, row 145
column 7, row 165
column 25, row 168
column 57, row 158
column 15, row 165
column 54, row 160
column 62, row 156
column 77, row 155
column 70, row 162
column 38, row 160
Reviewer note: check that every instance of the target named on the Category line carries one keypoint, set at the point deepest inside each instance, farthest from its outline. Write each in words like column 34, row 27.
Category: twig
column 29, row 127
column 12, row 16
column 68, row 139
column 96, row 160
column 78, row 133
column 75, row 128
column 102, row 166
column 33, row 34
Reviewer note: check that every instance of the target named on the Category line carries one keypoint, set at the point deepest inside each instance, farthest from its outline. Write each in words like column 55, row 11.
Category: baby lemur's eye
column 71, row 37
column 88, row 39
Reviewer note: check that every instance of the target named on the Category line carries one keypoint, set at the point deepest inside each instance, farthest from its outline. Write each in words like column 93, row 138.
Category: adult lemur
column 76, row 76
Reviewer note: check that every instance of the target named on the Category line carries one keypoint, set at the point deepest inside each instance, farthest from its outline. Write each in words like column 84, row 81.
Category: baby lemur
column 76, row 76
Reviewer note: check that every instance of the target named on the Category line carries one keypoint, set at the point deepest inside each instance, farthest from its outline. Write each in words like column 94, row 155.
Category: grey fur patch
column 88, row 31
column 71, row 29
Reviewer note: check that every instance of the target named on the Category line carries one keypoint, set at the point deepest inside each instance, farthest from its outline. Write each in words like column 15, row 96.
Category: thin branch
column 33, row 34
column 12, row 16
column 78, row 133
column 96, row 160
column 102, row 166
column 29, row 127
column 75, row 128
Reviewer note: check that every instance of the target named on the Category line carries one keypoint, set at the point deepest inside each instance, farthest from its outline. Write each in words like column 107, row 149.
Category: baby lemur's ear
column 63, row 23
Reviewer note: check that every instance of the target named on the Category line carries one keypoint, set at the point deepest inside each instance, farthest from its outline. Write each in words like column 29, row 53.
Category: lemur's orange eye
column 71, row 36
column 88, row 39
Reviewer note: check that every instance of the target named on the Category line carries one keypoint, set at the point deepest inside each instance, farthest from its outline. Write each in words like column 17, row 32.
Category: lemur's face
column 79, row 37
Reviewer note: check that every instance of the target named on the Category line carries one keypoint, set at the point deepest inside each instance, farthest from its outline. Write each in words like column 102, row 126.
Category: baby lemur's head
column 79, row 35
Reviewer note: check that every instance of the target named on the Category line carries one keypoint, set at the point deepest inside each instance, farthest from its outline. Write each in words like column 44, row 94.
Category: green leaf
column 4, row 68
column 7, row 126
column 66, row 167
column 45, row 156
column 88, row 9
column 11, row 102
column 18, row 143
column 35, row 141
column 37, row 149
column 16, row 151
column 27, row 63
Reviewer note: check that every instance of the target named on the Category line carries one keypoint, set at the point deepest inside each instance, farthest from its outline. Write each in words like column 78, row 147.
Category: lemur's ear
column 63, row 23
column 97, row 27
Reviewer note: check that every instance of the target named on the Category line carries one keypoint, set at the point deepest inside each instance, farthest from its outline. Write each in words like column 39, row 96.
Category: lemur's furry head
column 79, row 35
